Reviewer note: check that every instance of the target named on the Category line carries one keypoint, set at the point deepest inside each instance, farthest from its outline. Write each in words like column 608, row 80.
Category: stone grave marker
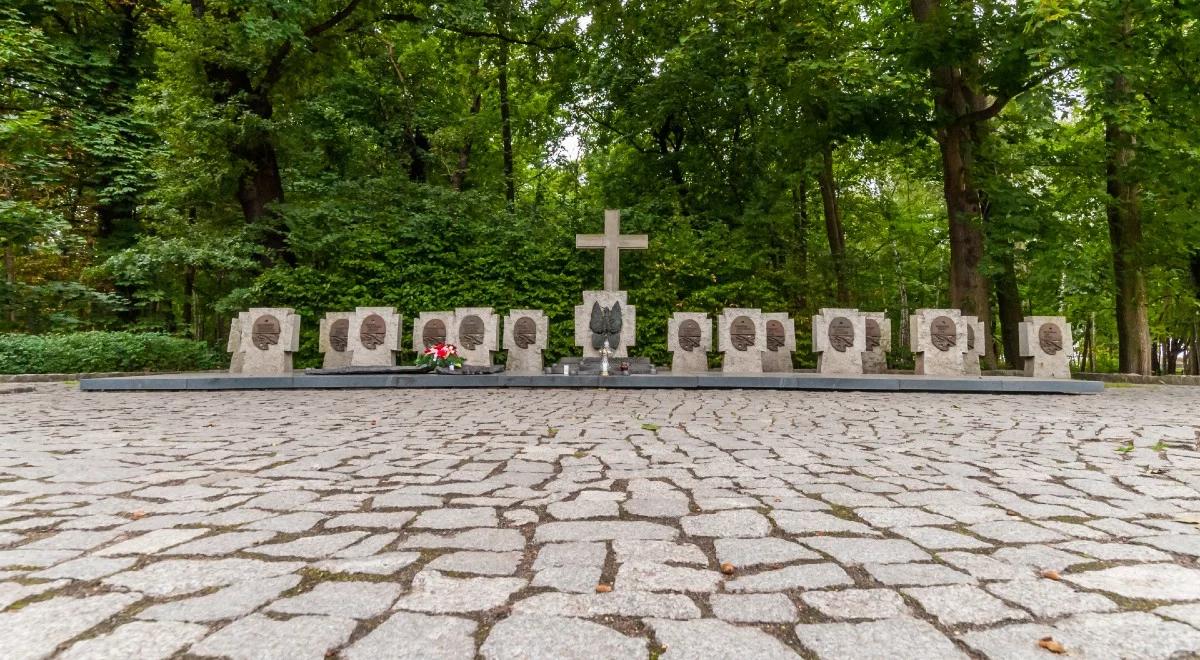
column 781, row 343
column 374, row 336
column 975, row 346
column 938, row 339
column 839, row 340
column 432, row 328
column 477, row 334
column 1046, row 345
column 268, row 337
column 526, row 333
column 233, row 345
column 879, row 342
column 689, row 338
column 742, row 339
column 605, row 315
column 334, row 339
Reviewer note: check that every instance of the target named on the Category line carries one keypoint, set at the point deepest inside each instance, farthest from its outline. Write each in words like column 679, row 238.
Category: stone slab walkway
column 599, row 524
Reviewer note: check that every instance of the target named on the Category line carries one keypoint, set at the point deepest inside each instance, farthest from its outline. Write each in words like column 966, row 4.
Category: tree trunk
column 189, row 292
column 10, row 278
column 1008, row 301
column 800, row 213
column 458, row 180
column 510, row 186
column 833, row 224
column 418, row 149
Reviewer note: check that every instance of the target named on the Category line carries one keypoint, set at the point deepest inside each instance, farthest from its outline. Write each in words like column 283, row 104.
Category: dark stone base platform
column 714, row 380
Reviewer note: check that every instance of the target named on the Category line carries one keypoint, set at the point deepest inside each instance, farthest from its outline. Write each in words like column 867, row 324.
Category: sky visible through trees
column 164, row 164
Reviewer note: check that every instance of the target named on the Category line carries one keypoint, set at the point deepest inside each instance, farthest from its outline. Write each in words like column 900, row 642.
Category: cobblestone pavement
column 599, row 524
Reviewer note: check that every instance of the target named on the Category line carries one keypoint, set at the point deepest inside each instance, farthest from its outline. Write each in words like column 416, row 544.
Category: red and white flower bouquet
column 439, row 356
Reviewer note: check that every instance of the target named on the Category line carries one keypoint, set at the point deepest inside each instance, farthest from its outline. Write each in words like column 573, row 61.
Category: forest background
column 165, row 164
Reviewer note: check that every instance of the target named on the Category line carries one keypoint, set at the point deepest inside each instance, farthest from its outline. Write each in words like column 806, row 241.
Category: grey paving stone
column 580, row 509
column 857, row 603
column 220, row 544
column 521, row 636
column 239, row 599
column 1116, row 635
column 495, row 540
column 1020, row 642
column 657, row 551
column 143, row 640
column 85, row 568
column 727, row 524
column 175, row 577
column 935, row 538
column 650, row 576
column 289, row 523
column 753, row 608
column 886, row 639
column 573, row 579
column 618, row 603
column 382, row 564
column 257, row 637
column 744, row 553
column 1039, row 557
column 436, row 593
column 12, row 592
column 73, row 540
column 657, row 505
column 804, row 576
column 961, row 603
column 402, row 500
column 916, row 574
column 602, row 530
column 347, row 600
column 1015, row 531
column 152, row 542
column 314, row 547
column 411, row 636
column 983, row 567
column 569, row 554
column 1114, row 551
column 456, row 518
column 863, row 551
column 35, row 630
column 394, row 520
column 480, row 563
column 1189, row 614
column 813, row 522
column 1048, row 598
column 1182, row 544
column 900, row 517
column 713, row 638
column 370, row 545
column 1151, row 581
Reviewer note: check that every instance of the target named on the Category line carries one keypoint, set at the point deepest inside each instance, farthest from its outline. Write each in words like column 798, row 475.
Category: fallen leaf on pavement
column 603, row 588
column 1051, row 574
column 1050, row 645
column 727, row 568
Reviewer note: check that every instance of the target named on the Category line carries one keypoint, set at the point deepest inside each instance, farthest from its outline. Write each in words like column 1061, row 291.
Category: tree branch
column 319, row 28
column 482, row 34
column 1003, row 98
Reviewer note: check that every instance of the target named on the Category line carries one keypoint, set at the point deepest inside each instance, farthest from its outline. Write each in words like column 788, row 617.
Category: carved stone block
column 477, row 334
column 1046, row 346
column 373, row 336
column 879, row 342
column 606, row 300
column 781, row 343
column 938, row 340
column 268, row 336
column 839, row 340
column 689, row 338
column 334, row 339
column 976, row 348
column 526, row 335
column 742, row 339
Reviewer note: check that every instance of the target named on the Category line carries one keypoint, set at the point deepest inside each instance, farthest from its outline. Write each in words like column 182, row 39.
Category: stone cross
column 612, row 242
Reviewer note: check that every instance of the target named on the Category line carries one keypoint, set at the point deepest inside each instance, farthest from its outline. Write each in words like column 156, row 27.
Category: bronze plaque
column 265, row 332
column 1050, row 337
column 742, row 333
column 776, row 335
column 470, row 332
column 339, row 335
column 434, row 333
column 372, row 332
column 874, row 334
column 943, row 333
column 841, row 334
column 524, row 332
column 970, row 336
column 689, row 335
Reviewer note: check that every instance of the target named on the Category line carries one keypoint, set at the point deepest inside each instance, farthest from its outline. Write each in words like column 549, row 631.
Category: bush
column 85, row 352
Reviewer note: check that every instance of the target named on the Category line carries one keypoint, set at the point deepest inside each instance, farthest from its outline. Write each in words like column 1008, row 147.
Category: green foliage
column 84, row 352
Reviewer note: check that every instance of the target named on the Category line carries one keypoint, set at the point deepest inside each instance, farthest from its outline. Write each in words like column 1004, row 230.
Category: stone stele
column 234, row 345
column 583, row 317
column 1046, row 345
column 742, row 338
column 781, row 343
column 839, row 340
column 879, row 342
column 433, row 328
column 938, row 339
column 269, row 336
column 526, row 332
column 689, row 338
column 334, row 339
column 975, row 346
column 374, row 336
column 477, row 334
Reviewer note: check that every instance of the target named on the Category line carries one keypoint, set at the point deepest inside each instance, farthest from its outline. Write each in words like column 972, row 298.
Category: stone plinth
column 839, row 340
column 334, row 339
column 583, row 317
column 374, row 337
column 879, row 342
column 742, row 338
column 689, row 338
column 1046, row 345
column 938, row 339
column 781, row 343
column 269, row 336
column 476, row 334
column 234, row 345
column 433, row 328
column 526, row 333
column 975, row 346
